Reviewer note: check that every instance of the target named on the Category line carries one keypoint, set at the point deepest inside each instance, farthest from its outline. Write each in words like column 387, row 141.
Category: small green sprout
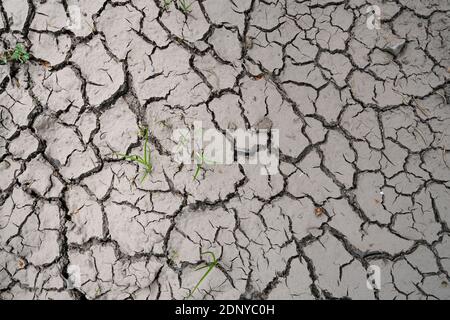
column 201, row 160
column 145, row 160
column 19, row 54
column 166, row 4
column 210, row 267
column 185, row 6
column 200, row 157
column 182, row 143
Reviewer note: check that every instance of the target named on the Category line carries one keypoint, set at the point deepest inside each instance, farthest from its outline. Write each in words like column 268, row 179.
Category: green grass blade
column 145, row 143
column 197, row 172
column 145, row 161
column 201, row 280
column 212, row 255
column 202, row 267
column 127, row 157
column 141, row 161
column 149, row 157
column 144, row 176
column 210, row 267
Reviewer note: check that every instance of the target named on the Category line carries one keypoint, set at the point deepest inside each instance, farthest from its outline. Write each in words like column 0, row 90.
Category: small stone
column 395, row 47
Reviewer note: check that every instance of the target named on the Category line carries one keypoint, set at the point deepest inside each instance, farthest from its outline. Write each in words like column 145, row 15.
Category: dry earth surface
column 364, row 122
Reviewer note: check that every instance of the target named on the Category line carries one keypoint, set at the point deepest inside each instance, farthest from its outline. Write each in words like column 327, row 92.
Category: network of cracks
column 364, row 163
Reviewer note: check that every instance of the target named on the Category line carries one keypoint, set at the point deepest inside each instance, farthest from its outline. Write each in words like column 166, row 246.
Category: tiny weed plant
column 210, row 267
column 185, row 7
column 166, row 4
column 145, row 160
column 183, row 142
column 201, row 160
column 18, row 54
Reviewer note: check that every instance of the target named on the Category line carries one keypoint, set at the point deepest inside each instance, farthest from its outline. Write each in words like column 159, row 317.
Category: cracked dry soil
column 364, row 149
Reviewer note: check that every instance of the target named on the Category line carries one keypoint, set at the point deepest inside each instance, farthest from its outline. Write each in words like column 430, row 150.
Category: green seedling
column 185, row 6
column 166, row 4
column 145, row 160
column 210, row 267
column 201, row 160
column 19, row 54
column 200, row 157
column 183, row 141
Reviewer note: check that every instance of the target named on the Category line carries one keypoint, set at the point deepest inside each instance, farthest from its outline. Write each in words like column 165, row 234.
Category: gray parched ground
column 364, row 120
